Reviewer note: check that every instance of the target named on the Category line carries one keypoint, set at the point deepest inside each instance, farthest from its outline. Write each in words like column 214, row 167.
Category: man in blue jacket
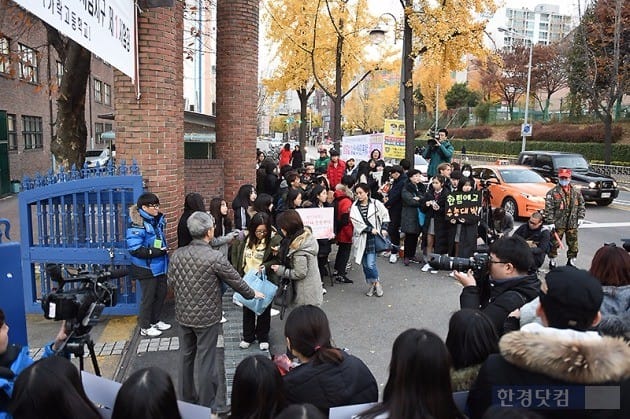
column 146, row 243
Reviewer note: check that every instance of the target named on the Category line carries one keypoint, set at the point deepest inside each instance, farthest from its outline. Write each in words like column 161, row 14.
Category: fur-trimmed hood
column 577, row 358
column 138, row 216
column 305, row 242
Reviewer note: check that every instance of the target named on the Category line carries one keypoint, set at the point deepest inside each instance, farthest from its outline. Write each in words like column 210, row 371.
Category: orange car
column 518, row 189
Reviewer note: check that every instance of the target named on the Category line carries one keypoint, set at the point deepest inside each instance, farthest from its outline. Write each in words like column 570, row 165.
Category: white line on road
column 590, row 224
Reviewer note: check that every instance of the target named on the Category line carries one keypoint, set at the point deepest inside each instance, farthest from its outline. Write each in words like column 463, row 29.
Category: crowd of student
column 512, row 330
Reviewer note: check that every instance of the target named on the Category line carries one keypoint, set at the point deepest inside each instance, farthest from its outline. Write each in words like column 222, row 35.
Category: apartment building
column 543, row 25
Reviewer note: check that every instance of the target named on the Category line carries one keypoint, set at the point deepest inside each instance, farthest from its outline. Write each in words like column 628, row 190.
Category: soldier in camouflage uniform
column 564, row 206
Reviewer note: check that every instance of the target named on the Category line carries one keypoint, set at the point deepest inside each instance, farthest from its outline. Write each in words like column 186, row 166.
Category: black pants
column 343, row 255
column 256, row 327
column 153, row 295
column 393, row 229
column 411, row 243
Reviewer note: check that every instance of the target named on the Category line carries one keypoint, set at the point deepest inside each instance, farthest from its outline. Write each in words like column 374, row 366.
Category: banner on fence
column 394, row 140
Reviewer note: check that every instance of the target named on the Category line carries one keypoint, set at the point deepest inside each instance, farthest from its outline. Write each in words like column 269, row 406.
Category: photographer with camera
column 537, row 237
column 438, row 150
column 15, row 358
column 505, row 285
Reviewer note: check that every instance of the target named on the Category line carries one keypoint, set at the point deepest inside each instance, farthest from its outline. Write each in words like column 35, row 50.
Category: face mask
column 564, row 182
column 466, row 173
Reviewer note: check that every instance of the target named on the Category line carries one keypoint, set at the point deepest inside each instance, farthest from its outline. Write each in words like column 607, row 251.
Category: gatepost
column 11, row 288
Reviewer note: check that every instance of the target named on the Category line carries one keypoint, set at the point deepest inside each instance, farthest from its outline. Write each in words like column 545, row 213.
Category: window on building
column 12, row 131
column 98, row 91
column 5, row 62
column 60, row 71
column 107, row 94
column 32, row 132
column 98, row 131
column 28, row 69
column 107, row 127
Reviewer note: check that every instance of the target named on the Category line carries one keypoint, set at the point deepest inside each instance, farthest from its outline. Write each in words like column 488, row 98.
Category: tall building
column 543, row 25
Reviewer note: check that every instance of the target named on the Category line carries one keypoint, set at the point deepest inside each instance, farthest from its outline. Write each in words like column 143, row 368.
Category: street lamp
column 405, row 103
column 526, row 129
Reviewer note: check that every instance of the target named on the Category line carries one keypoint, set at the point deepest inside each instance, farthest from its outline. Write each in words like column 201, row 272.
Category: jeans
column 198, row 344
column 369, row 267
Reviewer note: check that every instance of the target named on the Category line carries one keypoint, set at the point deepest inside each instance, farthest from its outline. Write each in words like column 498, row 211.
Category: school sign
column 104, row 27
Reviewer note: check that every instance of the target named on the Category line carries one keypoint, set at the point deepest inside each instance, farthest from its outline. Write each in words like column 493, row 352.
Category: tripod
column 75, row 344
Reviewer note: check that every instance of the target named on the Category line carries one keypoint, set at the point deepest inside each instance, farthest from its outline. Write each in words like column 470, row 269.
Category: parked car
column 518, row 189
column 595, row 187
column 98, row 157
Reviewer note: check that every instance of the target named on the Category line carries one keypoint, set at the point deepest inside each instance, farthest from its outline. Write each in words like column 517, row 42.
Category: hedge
column 566, row 133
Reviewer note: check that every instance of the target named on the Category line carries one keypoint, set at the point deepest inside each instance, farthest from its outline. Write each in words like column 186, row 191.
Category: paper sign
column 466, row 205
column 320, row 220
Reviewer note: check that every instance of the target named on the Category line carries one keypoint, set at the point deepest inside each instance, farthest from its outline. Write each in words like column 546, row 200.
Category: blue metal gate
column 78, row 219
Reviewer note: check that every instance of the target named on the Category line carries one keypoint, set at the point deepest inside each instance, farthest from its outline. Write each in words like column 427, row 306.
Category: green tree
column 460, row 96
column 599, row 61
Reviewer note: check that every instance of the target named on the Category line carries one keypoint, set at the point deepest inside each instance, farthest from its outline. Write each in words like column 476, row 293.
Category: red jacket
column 285, row 157
column 344, row 203
column 334, row 174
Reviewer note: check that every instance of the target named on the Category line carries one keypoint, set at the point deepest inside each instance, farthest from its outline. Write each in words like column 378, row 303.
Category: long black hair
column 419, row 383
column 220, row 221
column 51, row 388
column 291, row 222
column 471, row 338
column 257, row 391
column 308, row 331
column 259, row 219
column 147, row 394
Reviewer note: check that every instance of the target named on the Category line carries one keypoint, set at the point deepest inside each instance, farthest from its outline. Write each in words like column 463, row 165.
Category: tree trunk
column 607, row 119
column 407, row 87
column 70, row 139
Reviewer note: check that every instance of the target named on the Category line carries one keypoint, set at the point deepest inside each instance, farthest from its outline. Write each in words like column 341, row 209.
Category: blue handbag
column 421, row 217
column 258, row 281
column 381, row 243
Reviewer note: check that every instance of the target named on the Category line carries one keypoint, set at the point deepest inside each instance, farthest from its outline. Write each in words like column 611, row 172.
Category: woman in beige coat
column 298, row 256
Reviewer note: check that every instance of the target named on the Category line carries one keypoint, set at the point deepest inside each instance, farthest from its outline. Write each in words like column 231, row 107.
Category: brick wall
column 151, row 128
column 237, row 87
column 204, row 177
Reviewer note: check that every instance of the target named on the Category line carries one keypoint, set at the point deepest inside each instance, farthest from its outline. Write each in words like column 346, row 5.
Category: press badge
column 157, row 243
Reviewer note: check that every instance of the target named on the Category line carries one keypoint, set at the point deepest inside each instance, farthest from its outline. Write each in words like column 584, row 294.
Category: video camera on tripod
column 81, row 305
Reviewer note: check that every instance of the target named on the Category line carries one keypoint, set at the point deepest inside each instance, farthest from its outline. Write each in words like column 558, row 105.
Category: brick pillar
column 151, row 129
column 237, row 91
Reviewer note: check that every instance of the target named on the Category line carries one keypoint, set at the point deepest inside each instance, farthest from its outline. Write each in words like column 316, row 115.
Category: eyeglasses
column 261, row 232
column 496, row 261
column 153, row 205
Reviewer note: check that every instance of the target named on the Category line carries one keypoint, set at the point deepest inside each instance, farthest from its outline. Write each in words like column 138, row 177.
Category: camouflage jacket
column 564, row 209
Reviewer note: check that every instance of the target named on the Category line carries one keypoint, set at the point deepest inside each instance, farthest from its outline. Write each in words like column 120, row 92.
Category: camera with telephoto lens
column 83, row 304
column 478, row 263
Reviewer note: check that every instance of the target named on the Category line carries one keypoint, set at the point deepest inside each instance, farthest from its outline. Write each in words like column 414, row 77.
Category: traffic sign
column 526, row 130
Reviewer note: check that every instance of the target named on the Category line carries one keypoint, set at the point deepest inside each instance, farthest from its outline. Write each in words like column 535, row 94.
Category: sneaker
column 572, row 262
column 552, row 263
column 324, row 291
column 370, row 291
column 162, row 326
column 274, row 312
column 426, row 268
column 393, row 258
column 343, row 279
column 244, row 344
column 223, row 319
column 379, row 289
column 151, row 332
column 264, row 346
column 406, row 261
column 386, row 254
column 415, row 260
